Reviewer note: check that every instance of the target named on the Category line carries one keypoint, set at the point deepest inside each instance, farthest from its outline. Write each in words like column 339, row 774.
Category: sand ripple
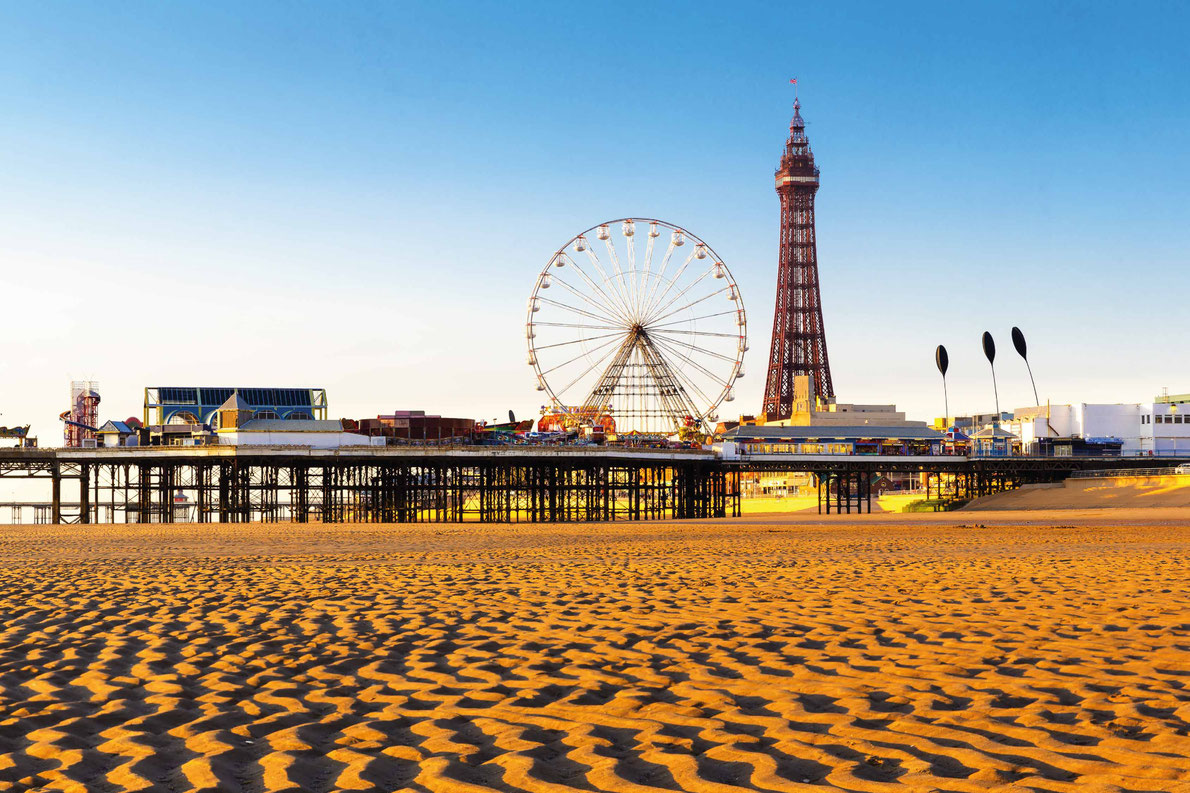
column 634, row 659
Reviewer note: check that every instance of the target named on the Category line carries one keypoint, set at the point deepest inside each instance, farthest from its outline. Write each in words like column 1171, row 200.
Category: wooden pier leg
column 85, row 493
column 56, row 494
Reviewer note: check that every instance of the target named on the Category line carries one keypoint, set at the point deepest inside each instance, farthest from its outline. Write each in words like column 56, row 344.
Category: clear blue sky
column 359, row 196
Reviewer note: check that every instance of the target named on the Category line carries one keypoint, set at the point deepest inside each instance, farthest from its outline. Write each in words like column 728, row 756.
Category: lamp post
column 1018, row 341
column 989, row 350
column 1173, row 412
column 943, row 362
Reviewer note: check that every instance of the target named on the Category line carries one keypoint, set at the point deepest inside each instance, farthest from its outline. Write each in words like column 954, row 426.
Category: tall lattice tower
column 799, row 339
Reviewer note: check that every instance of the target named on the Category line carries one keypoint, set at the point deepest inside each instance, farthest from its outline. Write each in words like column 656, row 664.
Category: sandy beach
column 963, row 652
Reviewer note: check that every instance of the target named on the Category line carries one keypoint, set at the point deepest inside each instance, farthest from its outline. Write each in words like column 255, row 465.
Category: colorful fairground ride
column 20, row 435
column 690, row 433
column 502, row 432
column 581, row 421
column 598, row 425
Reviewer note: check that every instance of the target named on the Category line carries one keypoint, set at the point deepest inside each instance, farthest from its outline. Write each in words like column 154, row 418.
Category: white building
column 1161, row 427
column 295, row 432
column 237, row 427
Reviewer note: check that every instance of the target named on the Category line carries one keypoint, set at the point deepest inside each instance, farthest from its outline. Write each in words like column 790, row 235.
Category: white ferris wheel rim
column 726, row 382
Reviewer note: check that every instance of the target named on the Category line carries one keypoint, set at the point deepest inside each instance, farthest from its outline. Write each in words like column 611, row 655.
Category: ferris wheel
column 636, row 323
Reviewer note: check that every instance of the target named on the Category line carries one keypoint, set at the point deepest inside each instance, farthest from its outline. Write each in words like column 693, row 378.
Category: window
column 178, row 396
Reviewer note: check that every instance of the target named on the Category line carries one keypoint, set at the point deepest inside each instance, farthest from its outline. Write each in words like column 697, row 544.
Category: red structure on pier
column 799, row 339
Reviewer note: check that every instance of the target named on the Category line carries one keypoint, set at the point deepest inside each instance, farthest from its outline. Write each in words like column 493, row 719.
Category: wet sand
column 960, row 652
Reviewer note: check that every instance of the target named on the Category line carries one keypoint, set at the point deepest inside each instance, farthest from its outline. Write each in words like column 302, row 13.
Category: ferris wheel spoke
column 576, row 309
column 669, row 347
column 669, row 252
column 655, row 325
column 669, row 382
column 585, row 354
column 644, row 275
column 691, row 387
column 667, row 388
column 619, row 280
column 600, row 396
column 577, row 325
column 631, row 274
column 576, row 341
column 608, row 280
column 611, row 351
column 600, row 307
column 692, row 304
column 653, row 329
column 694, row 348
column 657, row 309
column 610, row 303
column 673, row 281
column 675, row 350
column 678, row 354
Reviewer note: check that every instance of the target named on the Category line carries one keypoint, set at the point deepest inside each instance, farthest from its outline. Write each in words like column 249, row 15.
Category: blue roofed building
column 199, row 404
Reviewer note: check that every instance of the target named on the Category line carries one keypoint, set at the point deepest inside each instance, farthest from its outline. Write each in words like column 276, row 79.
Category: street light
column 943, row 362
column 989, row 350
column 1018, row 341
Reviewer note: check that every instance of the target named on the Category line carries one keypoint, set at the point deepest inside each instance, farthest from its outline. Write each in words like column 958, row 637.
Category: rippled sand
column 741, row 655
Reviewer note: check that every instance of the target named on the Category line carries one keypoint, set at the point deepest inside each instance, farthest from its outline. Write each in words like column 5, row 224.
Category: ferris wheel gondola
column 639, row 320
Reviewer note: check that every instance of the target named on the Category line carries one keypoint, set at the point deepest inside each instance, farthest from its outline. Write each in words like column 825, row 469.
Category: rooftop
column 291, row 425
column 234, row 402
column 116, row 426
column 993, row 432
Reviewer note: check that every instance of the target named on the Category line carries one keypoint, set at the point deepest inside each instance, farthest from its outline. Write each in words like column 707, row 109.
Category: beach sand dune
column 876, row 656
column 1115, row 493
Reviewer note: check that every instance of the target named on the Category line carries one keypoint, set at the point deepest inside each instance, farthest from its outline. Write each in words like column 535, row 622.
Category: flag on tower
column 794, row 81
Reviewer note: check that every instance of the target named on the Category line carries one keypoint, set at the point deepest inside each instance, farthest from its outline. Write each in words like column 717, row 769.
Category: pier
column 227, row 484
column 224, row 484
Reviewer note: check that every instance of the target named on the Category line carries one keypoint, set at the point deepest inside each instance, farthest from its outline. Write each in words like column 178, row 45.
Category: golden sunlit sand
column 929, row 653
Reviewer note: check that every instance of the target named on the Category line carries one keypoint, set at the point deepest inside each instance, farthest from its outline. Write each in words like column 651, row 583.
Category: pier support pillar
column 56, row 494
column 85, row 493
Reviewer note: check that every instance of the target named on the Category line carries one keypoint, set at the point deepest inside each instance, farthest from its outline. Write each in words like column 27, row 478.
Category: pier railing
column 1116, row 472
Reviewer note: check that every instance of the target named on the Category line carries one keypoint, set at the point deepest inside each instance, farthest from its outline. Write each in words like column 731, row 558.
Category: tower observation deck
column 799, row 338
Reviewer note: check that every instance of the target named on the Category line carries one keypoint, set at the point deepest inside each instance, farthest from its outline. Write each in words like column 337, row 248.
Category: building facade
column 1158, row 428
column 199, row 404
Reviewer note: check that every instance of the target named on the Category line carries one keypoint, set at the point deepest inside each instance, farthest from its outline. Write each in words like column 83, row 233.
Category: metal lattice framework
column 639, row 321
column 799, row 338
column 464, row 484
